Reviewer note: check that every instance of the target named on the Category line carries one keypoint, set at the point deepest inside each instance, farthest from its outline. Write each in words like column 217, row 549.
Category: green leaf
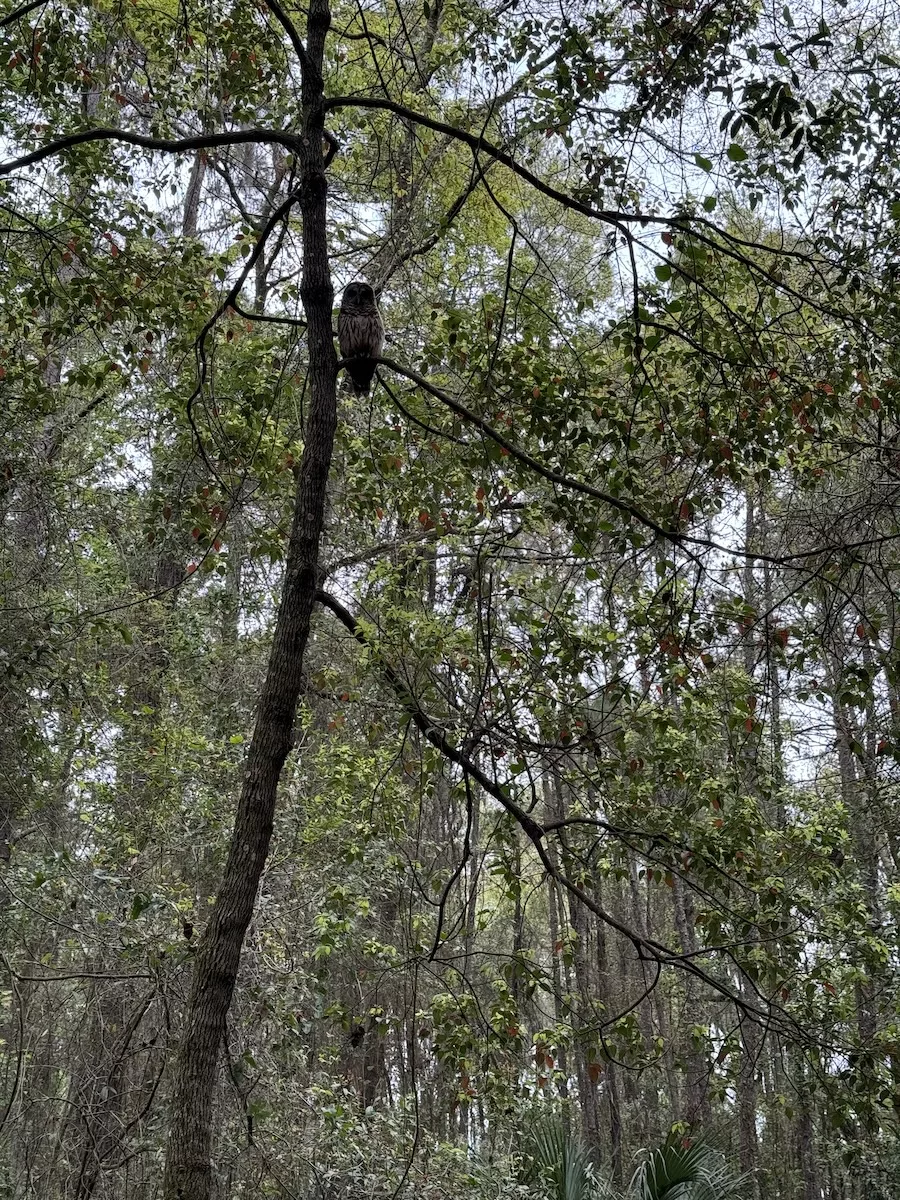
column 663, row 271
column 709, row 203
column 703, row 163
column 736, row 153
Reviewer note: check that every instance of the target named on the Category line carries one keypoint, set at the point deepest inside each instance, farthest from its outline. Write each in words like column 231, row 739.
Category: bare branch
column 480, row 145
column 21, row 12
column 646, row 947
column 291, row 30
column 205, row 141
column 730, row 244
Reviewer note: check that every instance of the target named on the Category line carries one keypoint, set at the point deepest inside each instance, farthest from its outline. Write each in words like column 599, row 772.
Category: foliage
column 591, row 804
column 691, row 1171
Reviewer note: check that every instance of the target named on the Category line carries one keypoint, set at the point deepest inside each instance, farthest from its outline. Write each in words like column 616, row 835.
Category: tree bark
column 610, row 1074
column 747, row 1091
column 188, row 1173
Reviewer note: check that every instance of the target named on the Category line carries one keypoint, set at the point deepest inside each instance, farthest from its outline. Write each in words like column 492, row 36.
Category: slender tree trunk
column 697, row 1109
column 584, row 1053
column 103, row 1116
column 188, row 1173
column 811, row 1188
column 194, row 193
column 748, row 1101
column 751, row 1037
column 559, row 1013
column 610, row 1075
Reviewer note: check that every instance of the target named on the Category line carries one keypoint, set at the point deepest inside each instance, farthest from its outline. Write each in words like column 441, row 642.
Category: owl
column 360, row 333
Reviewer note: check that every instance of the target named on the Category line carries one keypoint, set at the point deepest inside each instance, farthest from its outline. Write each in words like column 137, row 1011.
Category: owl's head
column 358, row 293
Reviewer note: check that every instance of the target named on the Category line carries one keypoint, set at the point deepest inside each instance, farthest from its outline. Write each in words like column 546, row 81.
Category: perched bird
column 360, row 333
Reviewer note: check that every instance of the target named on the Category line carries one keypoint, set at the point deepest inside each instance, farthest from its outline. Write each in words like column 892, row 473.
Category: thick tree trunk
column 188, row 1174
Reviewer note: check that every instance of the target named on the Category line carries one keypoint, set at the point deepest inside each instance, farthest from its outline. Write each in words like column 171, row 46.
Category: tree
column 621, row 504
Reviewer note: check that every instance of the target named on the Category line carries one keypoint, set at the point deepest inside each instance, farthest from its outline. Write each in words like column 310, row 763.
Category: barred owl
column 360, row 333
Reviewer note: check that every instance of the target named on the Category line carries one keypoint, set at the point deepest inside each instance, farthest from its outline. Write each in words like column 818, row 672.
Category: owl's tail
column 361, row 372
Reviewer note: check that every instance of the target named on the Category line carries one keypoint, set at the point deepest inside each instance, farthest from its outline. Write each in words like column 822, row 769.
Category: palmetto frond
column 678, row 1172
column 560, row 1162
column 562, row 1167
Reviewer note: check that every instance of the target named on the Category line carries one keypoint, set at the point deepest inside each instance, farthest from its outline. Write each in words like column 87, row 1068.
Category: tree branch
column 676, row 537
column 646, row 947
column 291, row 30
column 480, row 145
column 737, row 248
column 205, row 141
column 281, row 213
column 526, row 459
column 20, row 12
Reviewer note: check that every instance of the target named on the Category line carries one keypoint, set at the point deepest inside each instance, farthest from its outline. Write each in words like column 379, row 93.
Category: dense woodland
column 487, row 787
